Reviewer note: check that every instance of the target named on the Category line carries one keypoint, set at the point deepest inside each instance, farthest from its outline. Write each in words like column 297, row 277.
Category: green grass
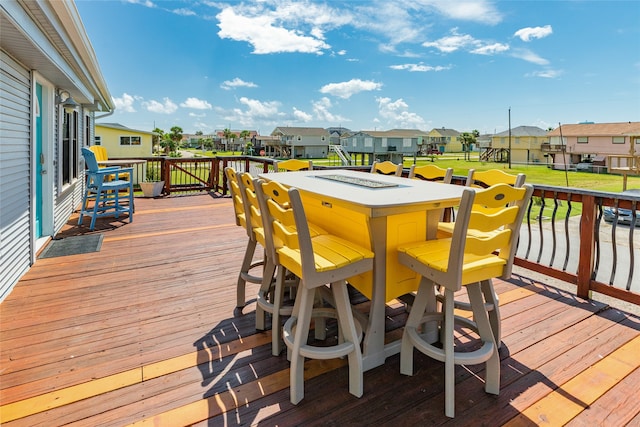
column 536, row 174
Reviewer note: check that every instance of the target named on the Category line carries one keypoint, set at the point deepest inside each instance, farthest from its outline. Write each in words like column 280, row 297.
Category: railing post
column 165, row 173
column 587, row 246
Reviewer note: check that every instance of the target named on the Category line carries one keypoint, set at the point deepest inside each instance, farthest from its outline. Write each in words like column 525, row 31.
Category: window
column 583, row 140
column 618, row 140
column 130, row 140
column 97, row 140
column 517, row 140
column 70, row 148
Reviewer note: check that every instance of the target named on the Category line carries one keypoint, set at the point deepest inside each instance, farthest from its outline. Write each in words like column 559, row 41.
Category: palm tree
column 158, row 136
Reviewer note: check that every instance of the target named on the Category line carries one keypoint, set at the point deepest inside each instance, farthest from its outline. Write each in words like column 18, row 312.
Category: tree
column 157, row 138
column 228, row 137
column 468, row 139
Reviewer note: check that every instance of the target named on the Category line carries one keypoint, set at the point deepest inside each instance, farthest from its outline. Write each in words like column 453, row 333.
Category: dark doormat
column 73, row 245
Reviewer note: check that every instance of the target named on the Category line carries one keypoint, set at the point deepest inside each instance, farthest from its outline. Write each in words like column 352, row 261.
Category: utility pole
column 509, row 137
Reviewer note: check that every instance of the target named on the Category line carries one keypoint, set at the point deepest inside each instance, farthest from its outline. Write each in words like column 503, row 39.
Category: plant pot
column 152, row 189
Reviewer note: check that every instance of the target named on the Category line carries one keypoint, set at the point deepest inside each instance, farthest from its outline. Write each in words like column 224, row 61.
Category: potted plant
column 152, row 186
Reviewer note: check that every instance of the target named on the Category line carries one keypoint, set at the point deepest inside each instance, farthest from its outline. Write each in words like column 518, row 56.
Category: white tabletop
column 405, row 195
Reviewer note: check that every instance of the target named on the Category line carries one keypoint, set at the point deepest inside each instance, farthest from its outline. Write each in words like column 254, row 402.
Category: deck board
column 146, row 331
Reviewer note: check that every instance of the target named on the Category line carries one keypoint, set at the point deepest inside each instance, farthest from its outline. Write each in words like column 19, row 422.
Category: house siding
column 15, row 170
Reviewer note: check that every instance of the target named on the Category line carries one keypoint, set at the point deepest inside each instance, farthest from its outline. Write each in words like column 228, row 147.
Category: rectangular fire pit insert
column 362, row 182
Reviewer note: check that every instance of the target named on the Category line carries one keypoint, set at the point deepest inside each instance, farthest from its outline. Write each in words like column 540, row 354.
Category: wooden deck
column 144, row 332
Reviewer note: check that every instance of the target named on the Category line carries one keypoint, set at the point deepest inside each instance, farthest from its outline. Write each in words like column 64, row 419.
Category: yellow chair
column 431, row 173
column 102, row 156
column 484, row 179
column 463, row 260
column 317, row 261
column 386, row 168
column 243, row 220
column 292, row 165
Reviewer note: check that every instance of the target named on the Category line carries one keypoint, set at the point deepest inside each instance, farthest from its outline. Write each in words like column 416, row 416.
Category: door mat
column 73, row 246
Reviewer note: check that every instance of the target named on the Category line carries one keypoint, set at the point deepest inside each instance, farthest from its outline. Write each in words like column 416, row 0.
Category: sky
column 480, row 65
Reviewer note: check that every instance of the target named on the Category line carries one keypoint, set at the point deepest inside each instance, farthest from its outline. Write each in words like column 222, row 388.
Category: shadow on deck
column 145, row 332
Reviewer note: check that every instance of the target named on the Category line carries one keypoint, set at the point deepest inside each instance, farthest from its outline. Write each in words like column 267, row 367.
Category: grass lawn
column 536, row 174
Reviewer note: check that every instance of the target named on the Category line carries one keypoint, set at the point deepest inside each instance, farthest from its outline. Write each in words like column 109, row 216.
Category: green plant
column 153, row 174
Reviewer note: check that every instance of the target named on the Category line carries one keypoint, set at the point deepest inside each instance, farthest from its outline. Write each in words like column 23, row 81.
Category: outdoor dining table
column 379, row 212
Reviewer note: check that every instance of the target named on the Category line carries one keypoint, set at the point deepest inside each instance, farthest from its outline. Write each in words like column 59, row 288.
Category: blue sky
column 368, row 64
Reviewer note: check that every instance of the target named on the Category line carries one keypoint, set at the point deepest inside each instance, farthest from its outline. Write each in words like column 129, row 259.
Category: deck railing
column 570, row 234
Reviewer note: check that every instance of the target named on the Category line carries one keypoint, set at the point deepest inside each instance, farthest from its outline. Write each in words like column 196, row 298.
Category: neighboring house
column 299, row 142
column 526, row 143
column 46, row 62
column 123, row 142
column 390, row 145
column 337, row 133
column 592, row 142
column 232, row 144
column 444, row 140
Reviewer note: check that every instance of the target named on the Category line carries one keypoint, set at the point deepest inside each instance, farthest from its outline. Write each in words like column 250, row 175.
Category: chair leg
column 246, row 265
column 413, row 321
column 492, row 379
column 347, row 324
column 302, row 313
column 449, row 355
column 265, row 289
column 491, row 298
column 276, row 326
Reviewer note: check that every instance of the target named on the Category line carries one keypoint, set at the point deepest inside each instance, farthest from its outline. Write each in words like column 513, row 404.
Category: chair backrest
column 284, row 217
column 431, row 173
column 100, row 152
column 496, row 213
column 386, row 168
column 484, row 179
column 90, row 160
column 253, row 211
column 292, row 165
column 236, row 196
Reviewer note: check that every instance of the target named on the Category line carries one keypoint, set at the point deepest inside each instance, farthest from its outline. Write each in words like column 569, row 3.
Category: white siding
column 15, row 140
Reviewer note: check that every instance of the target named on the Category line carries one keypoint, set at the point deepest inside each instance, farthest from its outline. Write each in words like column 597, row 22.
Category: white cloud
column 491, row 49
column 321, row 109
column 528, row 33
column 255, row 110
column 453, row 42
column 166, row 107
column 146, row 3
column 529, row 56
column 184, row 12
column 301, row 116
column 236, row 82
column 346, row 89
column 125, row 103
column 482, row 11
column 419, row 67
column 547, row 74
column 196, row 104
column 266, row 29
column 397, row 115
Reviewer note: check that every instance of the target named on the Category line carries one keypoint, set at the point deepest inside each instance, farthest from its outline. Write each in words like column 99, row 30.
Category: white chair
column 317, row 261
column 469, row 260
column 107, row 192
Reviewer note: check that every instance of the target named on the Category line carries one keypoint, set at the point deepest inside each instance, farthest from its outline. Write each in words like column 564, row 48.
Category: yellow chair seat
column 330, row 253
column 434, row 254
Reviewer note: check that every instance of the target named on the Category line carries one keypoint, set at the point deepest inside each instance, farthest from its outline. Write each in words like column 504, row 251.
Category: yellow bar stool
column 386, row 168
column 317, row 261
column 469, row 260
column 484, row 179
column 243, row 220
